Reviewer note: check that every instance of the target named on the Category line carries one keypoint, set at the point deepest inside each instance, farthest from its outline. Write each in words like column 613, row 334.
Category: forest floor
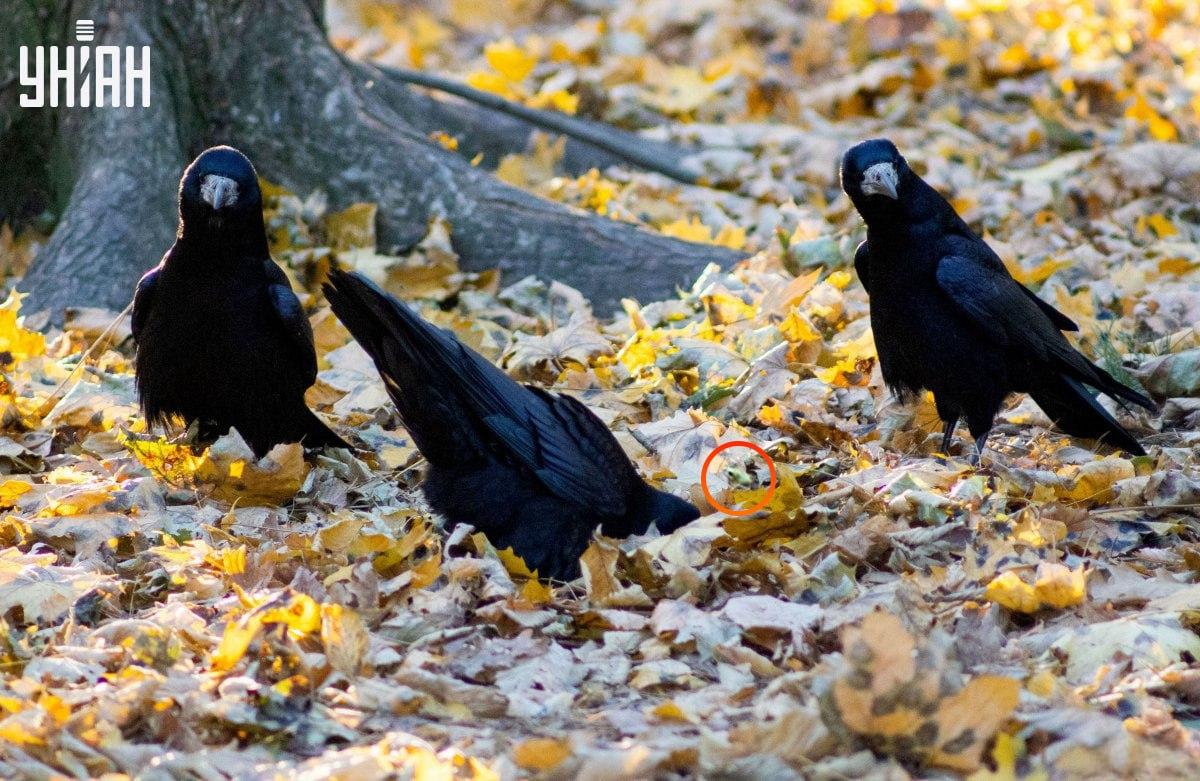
column 887, row 614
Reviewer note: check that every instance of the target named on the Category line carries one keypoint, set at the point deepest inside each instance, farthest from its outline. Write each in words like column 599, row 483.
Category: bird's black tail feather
column 1110, row 386
column 1077, row 412
column 404, row 348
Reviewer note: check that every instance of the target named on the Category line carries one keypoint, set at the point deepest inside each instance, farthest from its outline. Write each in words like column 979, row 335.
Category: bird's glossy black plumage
column 948, row 317
column 534, row 471
column 221, row 337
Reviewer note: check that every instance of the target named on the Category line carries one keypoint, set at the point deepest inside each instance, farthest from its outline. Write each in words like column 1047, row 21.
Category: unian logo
column 116, row 76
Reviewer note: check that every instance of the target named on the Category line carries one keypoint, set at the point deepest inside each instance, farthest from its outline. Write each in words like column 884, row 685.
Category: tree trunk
column 261, row 75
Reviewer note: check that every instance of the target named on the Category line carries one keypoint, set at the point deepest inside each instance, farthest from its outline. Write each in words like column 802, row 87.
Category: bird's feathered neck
column 230, row 241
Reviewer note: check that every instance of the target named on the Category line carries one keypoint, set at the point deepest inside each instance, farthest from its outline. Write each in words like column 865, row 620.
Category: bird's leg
column 948, row 435
column 980, row 446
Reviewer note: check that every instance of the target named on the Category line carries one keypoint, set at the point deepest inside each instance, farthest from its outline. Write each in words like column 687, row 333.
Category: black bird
column 221, row 338
column 948, row 317
column 532, row 470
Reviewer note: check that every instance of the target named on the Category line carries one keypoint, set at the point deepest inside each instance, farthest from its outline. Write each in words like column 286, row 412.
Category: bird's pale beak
column 219, row 192
column 881, row 179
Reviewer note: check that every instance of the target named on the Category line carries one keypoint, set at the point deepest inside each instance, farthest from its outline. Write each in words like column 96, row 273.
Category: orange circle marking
column 729, row 510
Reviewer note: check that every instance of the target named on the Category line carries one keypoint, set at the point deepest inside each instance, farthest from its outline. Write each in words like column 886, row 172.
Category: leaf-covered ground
column 176, row 614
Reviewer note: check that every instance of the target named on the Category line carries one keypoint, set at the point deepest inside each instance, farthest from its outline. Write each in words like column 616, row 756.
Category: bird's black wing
column 143, row 300
column 963, row 242
column 995, row 303
column 998, row 305
column 590, row 444
column 557, row 439
column 286, row 307
column 862, row 265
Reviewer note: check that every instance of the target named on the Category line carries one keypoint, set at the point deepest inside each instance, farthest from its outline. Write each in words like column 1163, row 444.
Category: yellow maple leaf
column 558, row 99
column 352, row 227
column 11, row 489
column 842, row 10
column 1059, row 586
column 638, row 353
column 1042, row 684
column 298, row 612
column 427, row 32
column 1161, row 224
column 495, row 83
column 977, row 711
column 345, row 638
column 536, row 591
column 1161, row 128
column 515, row 565
column 1039, row 273
column 1094, row 481
column 1008, row 590
column 16, row 340
column 232, row 472
column 230, row 561
column 690, row 229
column 669, row 711
column 14, row 730
column 796, row 327
column 596, row 191
column 509, row 60
column 1175, row 266
column 1055, row 586
column 677, row 89
column 730, row 236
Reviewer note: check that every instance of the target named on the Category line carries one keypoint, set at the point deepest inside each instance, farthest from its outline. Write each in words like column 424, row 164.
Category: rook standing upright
column 221, row 337
column 948, row 317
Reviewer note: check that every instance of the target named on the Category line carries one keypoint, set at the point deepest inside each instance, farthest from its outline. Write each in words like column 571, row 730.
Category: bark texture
column 261, row 75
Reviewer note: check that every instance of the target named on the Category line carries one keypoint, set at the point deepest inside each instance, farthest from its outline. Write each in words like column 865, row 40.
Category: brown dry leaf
column 236, row 476
column 890, row 692
column 83, row 534
column 761, row 617
column 577, row 341
column 796, row 734
column 345, row 638
column 1149, row 640
column 1172, row 375
column 541, row 754
column 598, row 564
column 43, row 592
column 767, row 378
column 782, row 518
column 352, row 227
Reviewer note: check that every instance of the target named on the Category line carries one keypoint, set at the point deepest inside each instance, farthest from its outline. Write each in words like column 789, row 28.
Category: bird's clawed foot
column 975, row 458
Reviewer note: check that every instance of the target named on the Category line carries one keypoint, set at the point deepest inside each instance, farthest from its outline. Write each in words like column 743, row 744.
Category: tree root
column 120, row 216
column 261, row 75
column 622, row 146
